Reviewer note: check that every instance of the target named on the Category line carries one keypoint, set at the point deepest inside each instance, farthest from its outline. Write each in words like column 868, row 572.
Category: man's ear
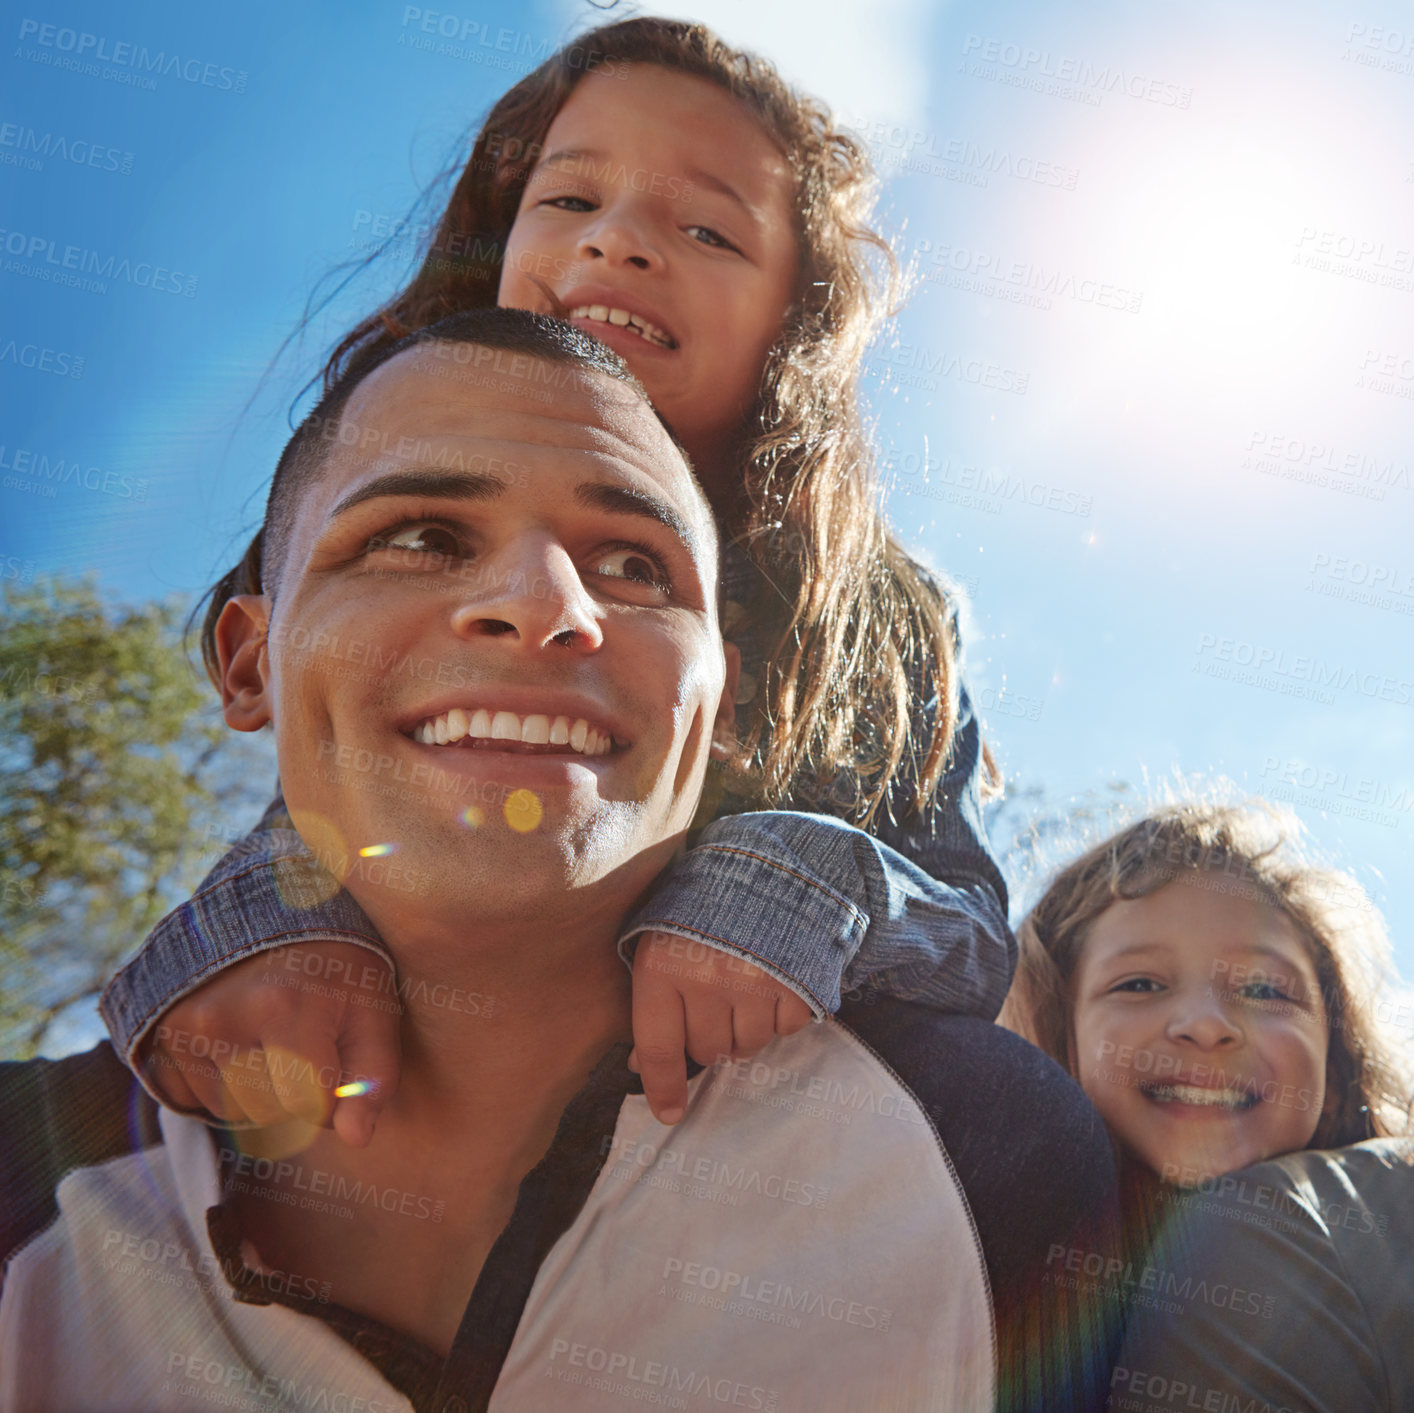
column 242, row 661
column 724, row 726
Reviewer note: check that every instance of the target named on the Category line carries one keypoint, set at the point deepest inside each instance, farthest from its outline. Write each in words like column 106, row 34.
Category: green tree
column 118, row 788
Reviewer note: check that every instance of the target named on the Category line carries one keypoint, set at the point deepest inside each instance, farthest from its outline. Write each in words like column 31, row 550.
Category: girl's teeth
column 537, row 729
column 1193, row 1094
column 622, row 319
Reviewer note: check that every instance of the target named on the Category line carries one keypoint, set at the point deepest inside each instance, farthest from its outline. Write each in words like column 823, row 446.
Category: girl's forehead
column 648, row 107
column 1200, row 916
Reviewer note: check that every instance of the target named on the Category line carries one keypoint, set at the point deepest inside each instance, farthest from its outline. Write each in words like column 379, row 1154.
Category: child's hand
column 688, row 996
column 271, row 1038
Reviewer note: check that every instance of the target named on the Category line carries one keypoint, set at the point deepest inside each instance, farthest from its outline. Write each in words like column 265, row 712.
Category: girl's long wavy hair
column 1252, row 850
column 858, row 627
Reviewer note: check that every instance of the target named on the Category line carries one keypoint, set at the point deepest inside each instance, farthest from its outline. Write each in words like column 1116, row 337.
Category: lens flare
column 355, row 1089
column 376, row 851
column 472, row 817
column 523, row 811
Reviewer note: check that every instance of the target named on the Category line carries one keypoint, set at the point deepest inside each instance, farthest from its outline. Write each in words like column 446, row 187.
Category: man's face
column 493, row 663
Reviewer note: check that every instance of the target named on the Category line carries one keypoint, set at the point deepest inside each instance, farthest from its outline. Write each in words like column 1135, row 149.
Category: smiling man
column 488, row 649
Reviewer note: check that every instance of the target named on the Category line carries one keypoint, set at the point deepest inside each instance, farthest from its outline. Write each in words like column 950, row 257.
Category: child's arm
column 268, row 892
column 818, row 905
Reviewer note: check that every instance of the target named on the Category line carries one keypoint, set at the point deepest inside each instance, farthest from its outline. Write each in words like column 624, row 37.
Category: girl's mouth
column 622, row 319
column 1236, row 1101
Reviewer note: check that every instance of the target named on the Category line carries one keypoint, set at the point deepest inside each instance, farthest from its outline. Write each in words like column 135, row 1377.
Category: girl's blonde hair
column 1255, row 850
column 858, row 630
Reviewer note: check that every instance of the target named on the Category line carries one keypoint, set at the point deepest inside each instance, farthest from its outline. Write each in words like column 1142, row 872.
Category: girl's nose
column 1201, row 1019
column 620, row 237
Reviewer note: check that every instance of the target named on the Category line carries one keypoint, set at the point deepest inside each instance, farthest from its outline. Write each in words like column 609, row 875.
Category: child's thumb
column 370, row 1057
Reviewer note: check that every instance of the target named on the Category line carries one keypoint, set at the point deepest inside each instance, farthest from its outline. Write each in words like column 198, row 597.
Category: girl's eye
column 1264, row 991
column 635, row 564
column 430, row 542
column 1138, row 985
column 705, row 235
column 569, row 203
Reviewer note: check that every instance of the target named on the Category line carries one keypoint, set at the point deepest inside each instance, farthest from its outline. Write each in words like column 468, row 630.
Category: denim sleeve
column 268, row 891
column 918, row 912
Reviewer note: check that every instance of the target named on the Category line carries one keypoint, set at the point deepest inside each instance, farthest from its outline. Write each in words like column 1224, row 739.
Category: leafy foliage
column 118, row 786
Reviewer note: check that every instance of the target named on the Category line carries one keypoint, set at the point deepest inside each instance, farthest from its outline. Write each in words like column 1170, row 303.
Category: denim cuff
column 269, row 897
column 795, row 927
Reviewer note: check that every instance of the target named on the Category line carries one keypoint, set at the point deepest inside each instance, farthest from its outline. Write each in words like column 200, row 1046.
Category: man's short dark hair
column 513, row 331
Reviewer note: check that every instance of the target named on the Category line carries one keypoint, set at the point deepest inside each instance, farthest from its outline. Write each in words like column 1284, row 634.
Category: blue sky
column 1151, row 401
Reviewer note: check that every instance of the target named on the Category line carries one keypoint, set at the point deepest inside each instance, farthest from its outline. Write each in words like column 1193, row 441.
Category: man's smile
column 532, row 734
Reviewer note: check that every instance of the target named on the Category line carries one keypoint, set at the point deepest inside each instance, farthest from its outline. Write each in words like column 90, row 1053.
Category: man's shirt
column 860, row 1218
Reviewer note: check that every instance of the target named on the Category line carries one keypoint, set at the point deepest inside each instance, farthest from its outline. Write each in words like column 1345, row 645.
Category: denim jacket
column 916, row 911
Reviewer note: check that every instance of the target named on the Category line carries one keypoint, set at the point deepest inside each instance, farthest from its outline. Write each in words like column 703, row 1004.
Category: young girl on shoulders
column 675, row 198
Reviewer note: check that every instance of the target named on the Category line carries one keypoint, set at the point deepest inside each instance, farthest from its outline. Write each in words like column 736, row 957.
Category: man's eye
column 432, row 543
column 636, row 565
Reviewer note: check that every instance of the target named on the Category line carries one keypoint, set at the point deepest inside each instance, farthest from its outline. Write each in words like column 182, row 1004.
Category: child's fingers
column 659, row 1038
column 709, row 1028
column 753, row 1026
column 370, row 1054
column 792, row 1014
column 304, row 1074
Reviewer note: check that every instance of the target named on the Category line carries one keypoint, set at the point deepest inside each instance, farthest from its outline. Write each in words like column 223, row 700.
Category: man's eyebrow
column 630, row 500
column 441, row 485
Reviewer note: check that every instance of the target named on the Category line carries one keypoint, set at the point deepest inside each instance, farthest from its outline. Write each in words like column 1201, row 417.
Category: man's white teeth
column 621, row 318
column 1195, row 1094
column 534, row 730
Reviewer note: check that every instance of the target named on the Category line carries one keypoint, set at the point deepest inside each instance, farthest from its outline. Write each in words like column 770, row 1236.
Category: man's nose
column 1201, row 1018
column 530, row 594
column 623, row 235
